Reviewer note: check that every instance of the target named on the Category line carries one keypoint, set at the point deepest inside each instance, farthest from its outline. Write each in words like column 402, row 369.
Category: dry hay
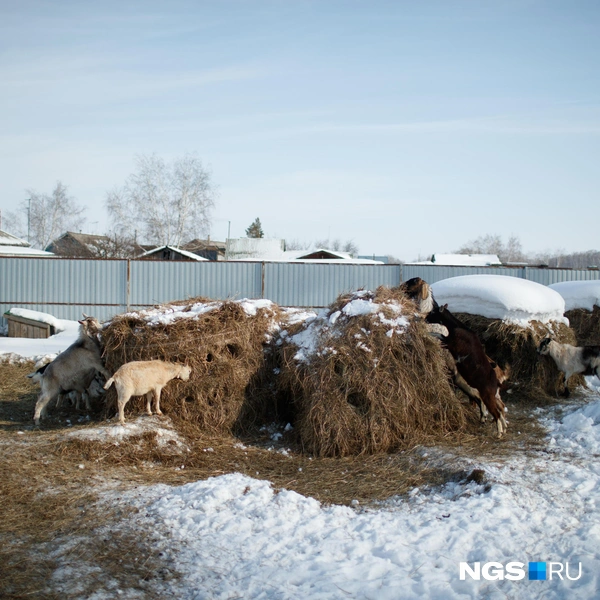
column 223, row 343
column 371, row 384
column 532, row 376
column 586, row 325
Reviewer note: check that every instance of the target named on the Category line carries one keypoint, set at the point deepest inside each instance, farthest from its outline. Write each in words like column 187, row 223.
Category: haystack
column 586, row 325
column 365, row 377
column 532, row 376
column 223, row 343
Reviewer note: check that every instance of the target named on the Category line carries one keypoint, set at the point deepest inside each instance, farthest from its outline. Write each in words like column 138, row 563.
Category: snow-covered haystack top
column 511, row 317
column 510, row 299
column 582, row 301
column 579, row 294
column 331, row 323
column 223, row 343
column 167, row 314
column 365, row 376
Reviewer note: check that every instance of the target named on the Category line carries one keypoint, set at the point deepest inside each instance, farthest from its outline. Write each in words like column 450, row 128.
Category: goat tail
column 109, row 383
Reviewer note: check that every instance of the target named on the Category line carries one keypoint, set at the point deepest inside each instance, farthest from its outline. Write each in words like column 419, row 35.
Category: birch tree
column 163, row 203
column 42, row 217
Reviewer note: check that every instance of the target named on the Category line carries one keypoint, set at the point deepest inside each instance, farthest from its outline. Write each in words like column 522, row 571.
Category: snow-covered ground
column 236, row 537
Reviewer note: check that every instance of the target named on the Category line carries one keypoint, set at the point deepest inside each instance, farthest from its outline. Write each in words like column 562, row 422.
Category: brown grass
column 348, row 411
column 48, row 500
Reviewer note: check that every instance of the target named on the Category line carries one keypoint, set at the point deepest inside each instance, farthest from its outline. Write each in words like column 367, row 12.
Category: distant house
column 208, row 249
column 87, row 245
column 11, row 245
column 322, row 255
column 80, row 245
column 273, row 250
column 171, row 253
column 462, row 260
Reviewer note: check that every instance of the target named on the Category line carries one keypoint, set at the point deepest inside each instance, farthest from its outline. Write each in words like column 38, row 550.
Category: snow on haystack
column 510, row 299
column 578, row 294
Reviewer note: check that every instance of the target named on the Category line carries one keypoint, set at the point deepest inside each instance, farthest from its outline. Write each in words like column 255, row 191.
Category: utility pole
column 227, row 242
column 29, row 222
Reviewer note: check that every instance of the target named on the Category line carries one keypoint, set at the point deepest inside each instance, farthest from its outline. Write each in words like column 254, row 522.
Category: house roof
column 23, row 251
column 267, row 250
column 84, row 238
column 461, row 260
column 7, row 239
column 197, row 244
column 185, row 253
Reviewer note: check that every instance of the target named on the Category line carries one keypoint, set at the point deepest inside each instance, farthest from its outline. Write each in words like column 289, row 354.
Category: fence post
column 128, row 285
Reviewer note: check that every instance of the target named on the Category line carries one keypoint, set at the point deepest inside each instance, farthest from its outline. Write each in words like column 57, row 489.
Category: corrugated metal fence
column 67, row 287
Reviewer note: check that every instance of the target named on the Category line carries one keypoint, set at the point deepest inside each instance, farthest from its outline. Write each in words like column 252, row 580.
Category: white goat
column 72, row 370
column 148, row 377
column 572, row 359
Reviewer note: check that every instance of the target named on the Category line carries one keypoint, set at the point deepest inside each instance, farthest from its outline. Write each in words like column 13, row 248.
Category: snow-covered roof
column 501, row 297
column 275, row 253
column 185, row 253
column 36, row 315
column 461, row 260
column 7, row 239
column 23, row 251
column 579, row 294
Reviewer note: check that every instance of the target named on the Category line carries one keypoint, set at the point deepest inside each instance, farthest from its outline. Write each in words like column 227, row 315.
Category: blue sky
column 407, row 127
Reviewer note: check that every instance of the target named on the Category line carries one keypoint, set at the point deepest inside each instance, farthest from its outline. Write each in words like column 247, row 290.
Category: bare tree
column 164, row 203
column 337, row 246
column 512, row 251
column 43, row 217
column 114, row 246
column 297, row 244
column 575, row 260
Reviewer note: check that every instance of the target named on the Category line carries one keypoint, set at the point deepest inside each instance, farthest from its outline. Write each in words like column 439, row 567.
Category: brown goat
column 472, row 363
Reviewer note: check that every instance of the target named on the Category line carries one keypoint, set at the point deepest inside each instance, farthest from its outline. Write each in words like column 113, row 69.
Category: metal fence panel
column 550, row 276
column 433, row 273
column 68, row 287
column 64, row 287
column 154, row 282
column 309, row 284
